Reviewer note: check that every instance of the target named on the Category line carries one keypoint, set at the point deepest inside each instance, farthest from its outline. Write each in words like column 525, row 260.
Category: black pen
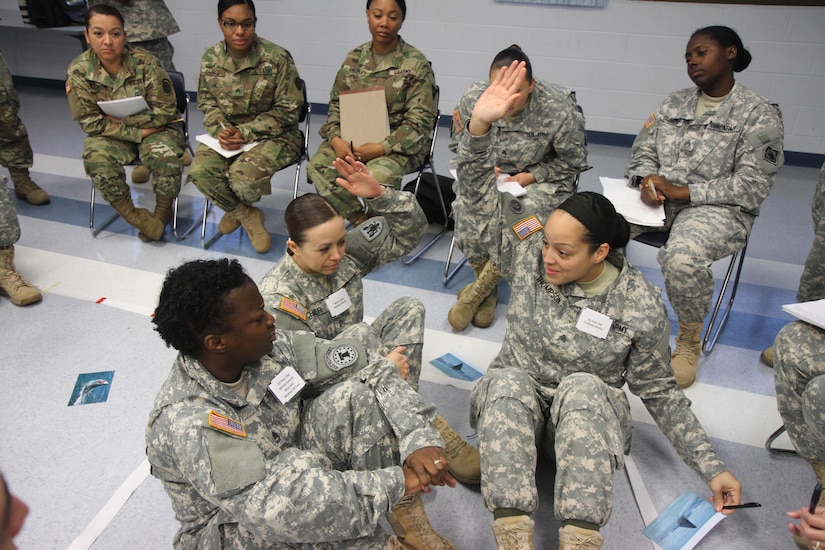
column 815, row 498
column 745, row 505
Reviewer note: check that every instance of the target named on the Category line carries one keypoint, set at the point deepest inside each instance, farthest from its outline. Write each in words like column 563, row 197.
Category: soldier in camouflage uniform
column 709, row 154
column 12, row 284
column 409, row 84
column 247, row 469
column 248, row 92
column 111, row 69
column 318, row 285
column 15, row 150
column 541, row 145
column 150, row 23
column 581, row 324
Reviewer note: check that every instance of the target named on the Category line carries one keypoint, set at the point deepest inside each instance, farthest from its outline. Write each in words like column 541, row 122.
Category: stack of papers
column 628, row 202
column 684, row 523
column 810, row 312
column 215, row 145
column 121, row 108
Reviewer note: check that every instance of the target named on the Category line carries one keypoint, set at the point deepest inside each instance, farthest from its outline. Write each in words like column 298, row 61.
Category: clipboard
column 364, row 117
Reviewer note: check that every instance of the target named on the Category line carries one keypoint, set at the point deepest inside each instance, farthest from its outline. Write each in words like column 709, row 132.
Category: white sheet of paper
column 286, row 385
column 511, row 187
column 594, row 323
column 338, row 302
column 121, row 108
column 811, row 312
column 215, row 145
column 627, row 202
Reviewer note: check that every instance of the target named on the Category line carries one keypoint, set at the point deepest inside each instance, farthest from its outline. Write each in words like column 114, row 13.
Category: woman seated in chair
column 111, row 69
column 409, row 85
column 540, row 146
column 582, row 323
column 248, row 92
column 318, row 285
column 709, row 154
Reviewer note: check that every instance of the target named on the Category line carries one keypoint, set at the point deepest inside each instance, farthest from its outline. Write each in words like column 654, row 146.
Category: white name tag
column 286, row 385
column 594, row 323
column 338, row 302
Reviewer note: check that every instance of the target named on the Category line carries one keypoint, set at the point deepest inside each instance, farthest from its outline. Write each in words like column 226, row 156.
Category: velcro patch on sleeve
column 527, row 227
column 293, row 308
column 225, row 424
column 651, row 120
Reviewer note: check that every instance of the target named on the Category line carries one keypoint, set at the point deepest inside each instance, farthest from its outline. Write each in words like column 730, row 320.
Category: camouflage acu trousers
column 388, row 170
column 585, row 428
column 799, row 369
column 242, row 178
column 699, row 235
column 15, row 150
column 161, row 152
column 812, row 282
column 402, row 324
column 9, row 225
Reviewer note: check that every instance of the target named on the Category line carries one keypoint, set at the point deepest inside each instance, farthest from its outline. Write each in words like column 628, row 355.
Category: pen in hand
column 815, row 498
column 745, row 505
column 651, row 186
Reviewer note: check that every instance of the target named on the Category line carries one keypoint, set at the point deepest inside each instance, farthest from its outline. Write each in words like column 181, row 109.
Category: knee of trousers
column 504, row 384
column 813, row 409
column 679, row 265
column 408, row 312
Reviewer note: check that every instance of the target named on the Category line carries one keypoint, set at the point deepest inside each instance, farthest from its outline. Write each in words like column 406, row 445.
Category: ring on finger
column 437, row 461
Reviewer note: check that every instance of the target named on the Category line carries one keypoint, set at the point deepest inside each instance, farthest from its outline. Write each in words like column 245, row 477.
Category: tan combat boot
column 26, row 189
column 514, row 533
column 685, row 358
column 486, row 312
column 577, row 538
column 767, row 357
column 162, row 213
column 471, row 296
column 229, row 223
column 12, row 284
column 186, row 160
column 252, row 220
column 413, row 529
column 141, row 174
column 139, row 218
column 465, row 462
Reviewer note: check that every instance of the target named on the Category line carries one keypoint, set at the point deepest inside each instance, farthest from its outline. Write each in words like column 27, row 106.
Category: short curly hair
column 193, row 303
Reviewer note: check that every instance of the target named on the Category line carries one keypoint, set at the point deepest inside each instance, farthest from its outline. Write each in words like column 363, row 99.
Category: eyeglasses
column 232, row 25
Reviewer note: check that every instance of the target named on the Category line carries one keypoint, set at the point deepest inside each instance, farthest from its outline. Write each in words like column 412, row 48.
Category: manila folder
column 364, row 116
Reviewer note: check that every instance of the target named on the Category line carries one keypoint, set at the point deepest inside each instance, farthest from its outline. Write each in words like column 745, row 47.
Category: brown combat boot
column 413, row 529
column 767, row 356
column 229, row 223
column 685, row 358
column 141, row 174
column 12, row 284
column 162, row 213
column 486, row 312
column 578, row 538
column 252, row 220
column 464, row 460
column 514, row 533
column 26, row 189
column 471, row 296
column 139, row 218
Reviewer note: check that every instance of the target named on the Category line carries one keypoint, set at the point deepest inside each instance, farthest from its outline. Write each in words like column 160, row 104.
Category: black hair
column 601, row 222
column 505, row 58
column 104, row 9
column 727, row 37
column 306, row 212
column 193, row 303
column 224, row 5
column 402, row 5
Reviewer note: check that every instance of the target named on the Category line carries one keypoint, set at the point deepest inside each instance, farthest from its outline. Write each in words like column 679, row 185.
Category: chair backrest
column 179, row 84
column 306, row 109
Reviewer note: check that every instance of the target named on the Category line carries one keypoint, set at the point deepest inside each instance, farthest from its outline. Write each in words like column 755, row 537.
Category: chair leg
column 773, row 450
column 450, row 273
column 713, row 331
column 412, row 259
column 92, row 216
column 297, row 179
column 189, row 230
column 207, row 207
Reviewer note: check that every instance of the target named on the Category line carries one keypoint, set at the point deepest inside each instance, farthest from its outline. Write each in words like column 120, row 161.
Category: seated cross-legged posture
column 252, row 459
column 387, row 61
column 318, row 285
column 111, row 69
column 582, row 323
column 248, row 92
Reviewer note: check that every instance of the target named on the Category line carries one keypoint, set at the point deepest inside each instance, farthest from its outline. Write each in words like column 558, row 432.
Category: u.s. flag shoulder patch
column 293, row 308
column 226, row 424
column 458, row 124
column 651, row 120
column 527, row 227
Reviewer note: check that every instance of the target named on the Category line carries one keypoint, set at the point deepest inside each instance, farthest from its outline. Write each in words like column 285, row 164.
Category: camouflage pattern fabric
column 409, row 84
column 253, row 473
column 546, row 139
column 112, row 143
column 728, row 158
column 799, row 369
column 262, row 99
column 548, row 369
column 298, row 300
column 148, row 24
column 812, row 282
column 9, row 225
column 15, row 150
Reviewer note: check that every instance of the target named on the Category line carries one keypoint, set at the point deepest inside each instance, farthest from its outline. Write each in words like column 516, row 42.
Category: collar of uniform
column 252, row 59
column 365, row 57
column 97, row 73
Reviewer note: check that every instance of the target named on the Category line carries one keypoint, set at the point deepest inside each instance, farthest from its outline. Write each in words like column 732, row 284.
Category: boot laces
column 13, row 281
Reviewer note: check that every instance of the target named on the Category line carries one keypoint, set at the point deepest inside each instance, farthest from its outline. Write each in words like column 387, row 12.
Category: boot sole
column 24, row 197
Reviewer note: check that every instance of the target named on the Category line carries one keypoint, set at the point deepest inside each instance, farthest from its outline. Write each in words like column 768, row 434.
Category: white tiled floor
column 67, row 462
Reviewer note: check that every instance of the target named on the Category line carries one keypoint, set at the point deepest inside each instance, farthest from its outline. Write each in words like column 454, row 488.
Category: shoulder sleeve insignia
column 527, row 227
column 516, row 206
column 651, row 120
column 225, row 424
column 341, row 356
column 458, row 124
column 292, row 307
column 771, row 155
column 68, row 86
column 167, row 86
column 372, row 228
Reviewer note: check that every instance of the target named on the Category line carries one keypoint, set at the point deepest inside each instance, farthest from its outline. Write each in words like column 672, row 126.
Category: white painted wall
column 622, row 60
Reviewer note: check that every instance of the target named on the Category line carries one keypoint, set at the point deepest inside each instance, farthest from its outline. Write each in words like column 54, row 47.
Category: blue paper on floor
column 684, row 523
column 91, row 387
column 455, row 367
